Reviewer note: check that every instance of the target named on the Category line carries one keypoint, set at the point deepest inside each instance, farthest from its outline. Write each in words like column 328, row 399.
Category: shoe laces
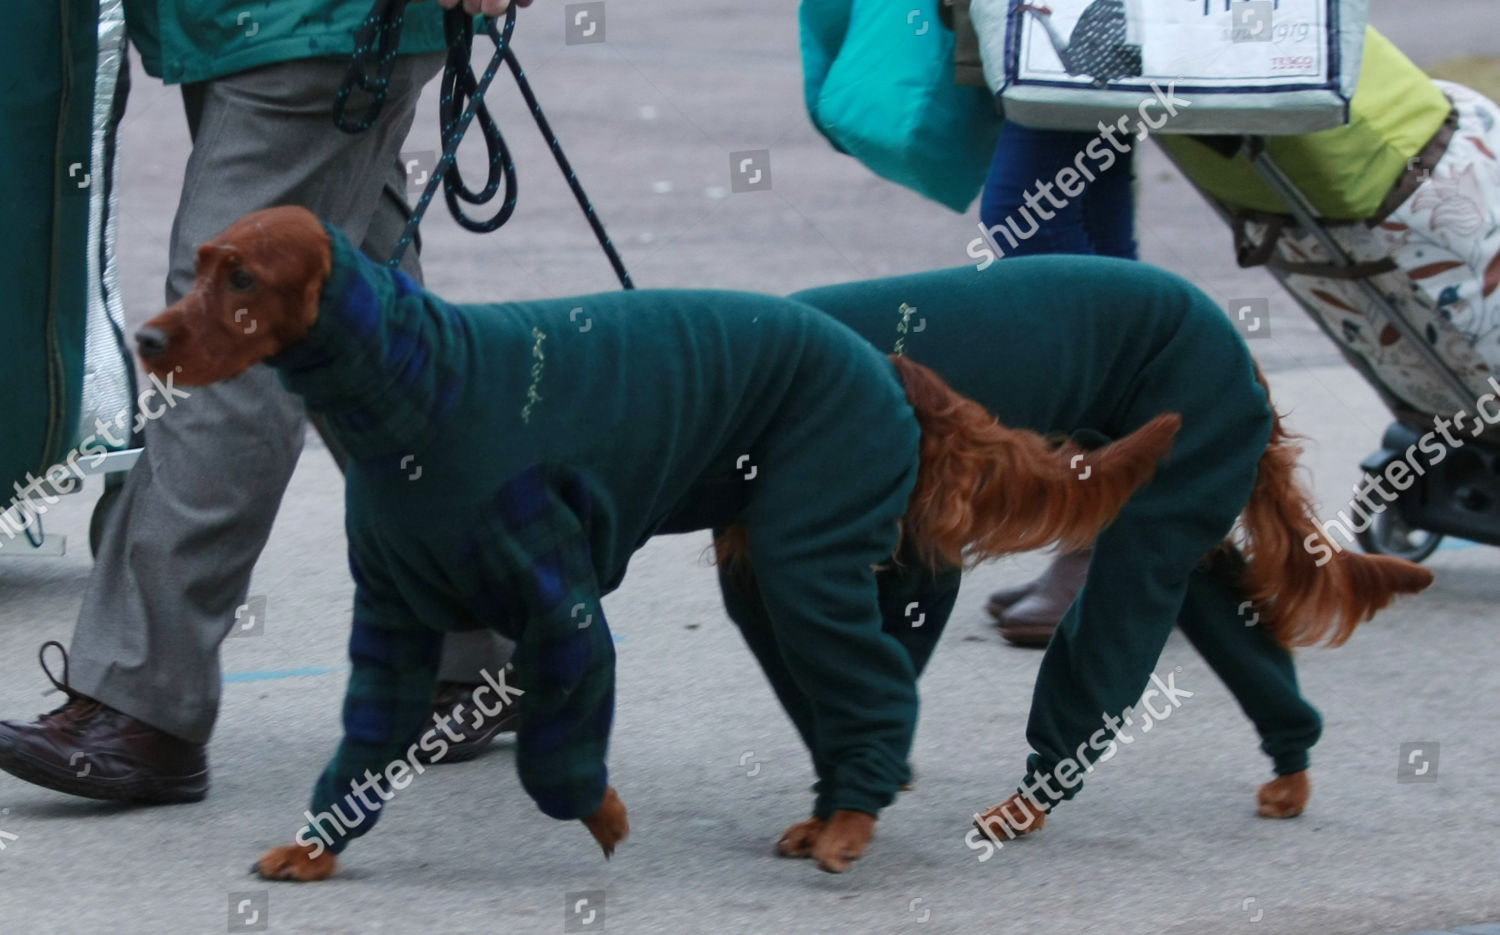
column 79, row 708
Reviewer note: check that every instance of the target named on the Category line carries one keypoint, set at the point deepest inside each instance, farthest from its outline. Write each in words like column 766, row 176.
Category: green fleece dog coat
column 1101, row 346
column 507, row 460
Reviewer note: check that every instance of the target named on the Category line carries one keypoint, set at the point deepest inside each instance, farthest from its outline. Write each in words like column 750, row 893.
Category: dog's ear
column 322, row 268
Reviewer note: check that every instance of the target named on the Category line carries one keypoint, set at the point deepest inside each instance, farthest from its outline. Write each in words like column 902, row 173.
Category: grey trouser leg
column 195, row 512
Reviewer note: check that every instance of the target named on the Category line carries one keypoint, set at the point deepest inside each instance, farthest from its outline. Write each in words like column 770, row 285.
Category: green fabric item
column 915, row 604
column 49, row 52
column 509, row 459
column 880, row 86
column 1346, row 172
column 1063, row 344
column 182, row 41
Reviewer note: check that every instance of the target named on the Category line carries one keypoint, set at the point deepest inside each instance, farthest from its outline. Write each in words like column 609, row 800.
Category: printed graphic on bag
column 1205, row 43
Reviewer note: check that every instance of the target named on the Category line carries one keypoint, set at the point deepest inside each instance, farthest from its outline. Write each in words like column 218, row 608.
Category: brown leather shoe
column 1030, row 621
column 89, row 749
column 468, row 720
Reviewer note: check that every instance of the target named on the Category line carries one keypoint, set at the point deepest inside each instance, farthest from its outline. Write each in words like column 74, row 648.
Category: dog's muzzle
column 151, row 342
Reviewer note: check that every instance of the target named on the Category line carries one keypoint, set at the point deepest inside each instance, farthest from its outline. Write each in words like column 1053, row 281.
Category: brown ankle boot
column 1031, row 620
column 1001, row 600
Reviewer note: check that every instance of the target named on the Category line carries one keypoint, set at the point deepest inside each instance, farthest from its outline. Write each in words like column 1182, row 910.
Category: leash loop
column 461, row 101
column 370, row 68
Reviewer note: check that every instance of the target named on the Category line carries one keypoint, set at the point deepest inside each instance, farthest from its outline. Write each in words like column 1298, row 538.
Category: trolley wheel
column 103, row 508
column 1389, row 534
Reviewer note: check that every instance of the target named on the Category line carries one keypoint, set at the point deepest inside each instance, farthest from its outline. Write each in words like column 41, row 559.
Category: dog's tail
column 1304, row 600
column 985, row 490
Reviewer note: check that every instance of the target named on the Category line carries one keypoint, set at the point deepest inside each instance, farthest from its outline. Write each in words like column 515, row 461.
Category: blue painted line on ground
column 1450, row 544
column 270, row 674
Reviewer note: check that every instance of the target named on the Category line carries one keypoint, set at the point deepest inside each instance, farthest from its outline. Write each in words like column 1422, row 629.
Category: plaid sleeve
column 387, row 705
column 565, row 658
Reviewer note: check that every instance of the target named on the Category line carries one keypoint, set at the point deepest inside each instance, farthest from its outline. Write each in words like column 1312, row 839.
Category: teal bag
column 879, row 85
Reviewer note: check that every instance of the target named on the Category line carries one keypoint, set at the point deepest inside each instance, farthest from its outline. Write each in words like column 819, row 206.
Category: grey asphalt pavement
column 1163, row 840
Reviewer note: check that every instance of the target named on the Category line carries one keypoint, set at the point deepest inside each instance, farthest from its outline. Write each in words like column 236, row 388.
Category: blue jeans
column 1099, row 220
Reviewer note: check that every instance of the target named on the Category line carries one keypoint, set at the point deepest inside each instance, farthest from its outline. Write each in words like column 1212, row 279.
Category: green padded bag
column 879, row 84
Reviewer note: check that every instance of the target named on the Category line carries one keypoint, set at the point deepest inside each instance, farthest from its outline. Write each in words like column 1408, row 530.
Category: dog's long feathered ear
column 320, row 250
column 985, row 490
column 1300, row 602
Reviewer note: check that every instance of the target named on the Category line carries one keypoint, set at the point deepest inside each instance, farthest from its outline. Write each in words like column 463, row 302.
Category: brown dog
column 258, row 293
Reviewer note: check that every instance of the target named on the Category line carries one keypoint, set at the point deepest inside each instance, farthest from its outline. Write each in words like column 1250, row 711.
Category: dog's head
column 256, row 294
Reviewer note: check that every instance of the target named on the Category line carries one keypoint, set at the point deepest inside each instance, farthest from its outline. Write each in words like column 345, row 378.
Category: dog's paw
column 610, row 824
column 800, row 839
column 305, row 863
column 1285, row 796
column 1011, row 819
column 844, row 839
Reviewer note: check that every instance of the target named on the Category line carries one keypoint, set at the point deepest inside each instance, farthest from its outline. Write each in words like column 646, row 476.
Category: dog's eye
column 241, row 280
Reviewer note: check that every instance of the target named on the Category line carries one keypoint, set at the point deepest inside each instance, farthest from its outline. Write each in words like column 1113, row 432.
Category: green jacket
column 183, row 41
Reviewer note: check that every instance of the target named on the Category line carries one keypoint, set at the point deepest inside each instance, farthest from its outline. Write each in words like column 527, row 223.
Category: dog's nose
column 151, row 342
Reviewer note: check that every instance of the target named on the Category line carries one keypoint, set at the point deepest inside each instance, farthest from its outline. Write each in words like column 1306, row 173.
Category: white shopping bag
column 1210, row 66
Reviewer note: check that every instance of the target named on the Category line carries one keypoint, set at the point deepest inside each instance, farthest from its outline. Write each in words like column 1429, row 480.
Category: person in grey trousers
column 142, row 677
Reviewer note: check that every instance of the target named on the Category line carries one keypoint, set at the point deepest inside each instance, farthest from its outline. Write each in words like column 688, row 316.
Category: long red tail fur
column 1300, row 602
column 985, row 490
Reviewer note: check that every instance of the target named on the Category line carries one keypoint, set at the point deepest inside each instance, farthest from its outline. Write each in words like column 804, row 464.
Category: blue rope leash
column 462, row 99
